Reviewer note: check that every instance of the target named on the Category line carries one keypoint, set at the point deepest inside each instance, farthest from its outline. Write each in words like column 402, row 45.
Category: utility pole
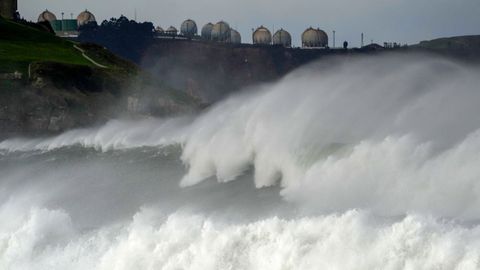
column 334, row 39
column 135, row 14
column 361, row 43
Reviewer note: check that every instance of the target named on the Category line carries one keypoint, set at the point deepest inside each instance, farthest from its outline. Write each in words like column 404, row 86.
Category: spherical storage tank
column 47, row 16
column 172, row 31
column 207, row 31
column 85, row 17
column 262, row 36
column 221, row 32
column 235, row 37
column 282, row 37
column 188, row 28
column 314, row 38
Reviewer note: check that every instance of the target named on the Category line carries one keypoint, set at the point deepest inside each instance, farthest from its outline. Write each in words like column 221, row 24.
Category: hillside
column 49, row 84
column 465, row 48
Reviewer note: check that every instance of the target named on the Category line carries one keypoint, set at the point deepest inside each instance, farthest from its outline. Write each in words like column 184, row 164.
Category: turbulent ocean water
column 372, row 163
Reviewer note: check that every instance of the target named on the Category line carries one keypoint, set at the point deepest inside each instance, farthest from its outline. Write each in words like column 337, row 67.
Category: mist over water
column 370, row 163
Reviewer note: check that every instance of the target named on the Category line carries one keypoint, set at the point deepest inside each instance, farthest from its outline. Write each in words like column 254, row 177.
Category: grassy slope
column 21, row 45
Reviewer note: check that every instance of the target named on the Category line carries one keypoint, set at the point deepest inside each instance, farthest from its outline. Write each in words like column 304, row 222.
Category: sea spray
column 376, row 161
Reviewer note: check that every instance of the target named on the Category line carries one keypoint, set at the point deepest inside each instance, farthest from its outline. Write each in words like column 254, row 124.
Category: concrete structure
column 188, row 28
column 221, row 32
column 8, row 8
column 314, row 38
column 235, row 37
column 207, row 31
column 85, row 17
column 282, row 37
column 262, row 36
column 47, row 16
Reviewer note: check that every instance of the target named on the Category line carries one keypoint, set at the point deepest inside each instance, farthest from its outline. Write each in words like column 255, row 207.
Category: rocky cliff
column 213, row 70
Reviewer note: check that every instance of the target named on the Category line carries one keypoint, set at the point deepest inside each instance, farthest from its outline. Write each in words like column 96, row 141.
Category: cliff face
column 213, row 70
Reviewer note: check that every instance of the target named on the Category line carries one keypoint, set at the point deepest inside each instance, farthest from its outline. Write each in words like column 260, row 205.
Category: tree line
column 124, row 37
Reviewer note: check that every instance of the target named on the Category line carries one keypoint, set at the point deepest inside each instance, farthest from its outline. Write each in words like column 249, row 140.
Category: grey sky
column 404, row 21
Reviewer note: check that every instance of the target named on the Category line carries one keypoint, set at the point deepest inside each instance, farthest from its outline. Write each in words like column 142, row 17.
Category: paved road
column 88, row 58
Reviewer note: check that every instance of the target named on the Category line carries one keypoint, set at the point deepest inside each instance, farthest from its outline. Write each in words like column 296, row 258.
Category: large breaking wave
column 396, row 137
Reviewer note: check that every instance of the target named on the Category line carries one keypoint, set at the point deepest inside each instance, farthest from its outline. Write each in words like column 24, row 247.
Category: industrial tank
column 262, row 36
column 314, row 38
column 171, row 31
column 189, row 28
column 282, row 37
column 47, row 16
column 235, row 37
column 207, row 31
column 221, row 32
column 85, row 17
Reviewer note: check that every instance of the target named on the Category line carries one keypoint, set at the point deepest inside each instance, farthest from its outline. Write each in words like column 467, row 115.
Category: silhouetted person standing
column 345, row 45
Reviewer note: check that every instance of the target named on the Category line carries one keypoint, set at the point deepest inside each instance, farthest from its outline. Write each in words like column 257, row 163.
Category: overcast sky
column 404, row 21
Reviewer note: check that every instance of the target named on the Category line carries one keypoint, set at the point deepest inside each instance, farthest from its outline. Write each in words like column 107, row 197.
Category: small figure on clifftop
column 345, row 45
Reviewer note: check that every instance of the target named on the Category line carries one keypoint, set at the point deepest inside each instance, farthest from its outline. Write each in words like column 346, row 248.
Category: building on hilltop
column 66, row 27
column 8, row 8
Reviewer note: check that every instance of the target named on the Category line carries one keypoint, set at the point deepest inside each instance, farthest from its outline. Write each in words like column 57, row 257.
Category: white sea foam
column 354, row 240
